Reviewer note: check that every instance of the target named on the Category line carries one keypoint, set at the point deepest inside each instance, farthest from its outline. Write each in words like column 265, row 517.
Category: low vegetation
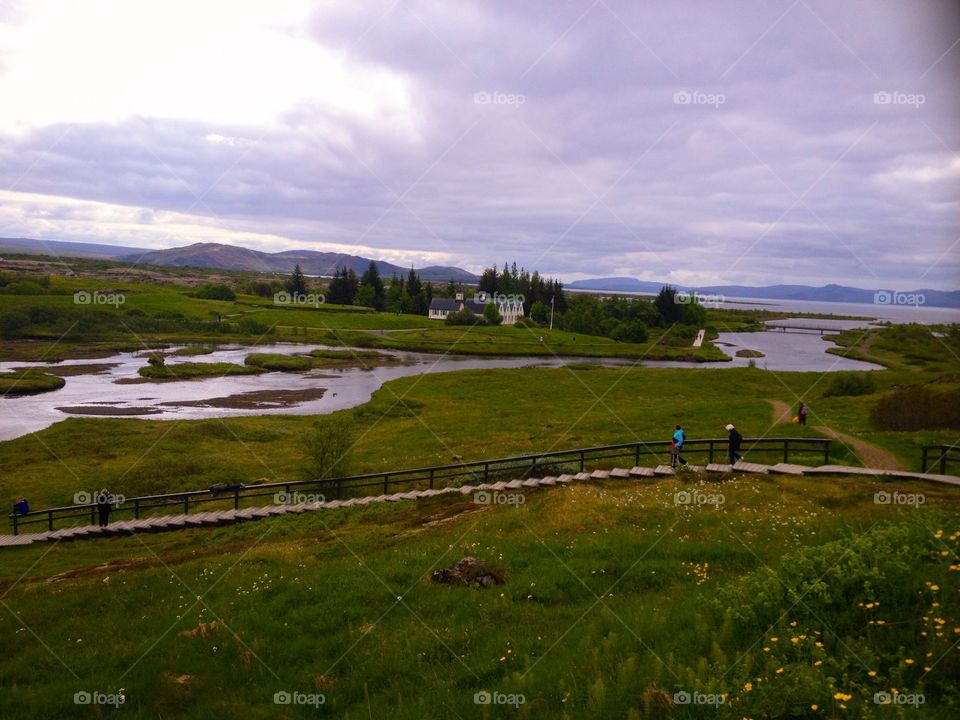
column 28, row 382
column 195, row 371
column 789, row 599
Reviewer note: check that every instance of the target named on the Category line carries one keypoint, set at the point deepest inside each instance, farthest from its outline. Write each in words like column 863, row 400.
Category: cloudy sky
column 693, row 142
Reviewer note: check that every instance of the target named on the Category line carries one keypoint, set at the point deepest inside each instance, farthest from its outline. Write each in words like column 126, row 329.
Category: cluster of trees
column 403, row 295
column 629, row 319
column 537, row 291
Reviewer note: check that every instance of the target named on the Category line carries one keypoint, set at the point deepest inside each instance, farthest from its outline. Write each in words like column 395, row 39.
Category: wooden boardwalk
column 167, row 523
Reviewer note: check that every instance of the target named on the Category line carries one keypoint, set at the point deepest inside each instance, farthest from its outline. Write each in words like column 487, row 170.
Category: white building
column 509, row 307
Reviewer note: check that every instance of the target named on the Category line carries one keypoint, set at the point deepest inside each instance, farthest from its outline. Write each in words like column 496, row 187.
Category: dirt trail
column 781, row 411
column 870, row 455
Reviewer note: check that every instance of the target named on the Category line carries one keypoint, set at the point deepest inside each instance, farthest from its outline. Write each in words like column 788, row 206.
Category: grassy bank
column 28, row 382
column 789, row 599
column 510, row 340
column 426, row 420
column 320, row 358
column 196, row 371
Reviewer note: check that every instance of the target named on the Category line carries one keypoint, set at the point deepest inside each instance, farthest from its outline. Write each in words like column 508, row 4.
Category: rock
column 468, row 571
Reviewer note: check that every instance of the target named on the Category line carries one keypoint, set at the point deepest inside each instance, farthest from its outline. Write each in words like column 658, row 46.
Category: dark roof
column 475, row 307
column 444, row 304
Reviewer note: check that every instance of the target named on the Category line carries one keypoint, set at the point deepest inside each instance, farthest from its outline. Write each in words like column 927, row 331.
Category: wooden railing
column 941, row 455
column 509, row 468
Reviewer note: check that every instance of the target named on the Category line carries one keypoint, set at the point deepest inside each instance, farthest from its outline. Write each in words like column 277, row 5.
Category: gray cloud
column 783, row 165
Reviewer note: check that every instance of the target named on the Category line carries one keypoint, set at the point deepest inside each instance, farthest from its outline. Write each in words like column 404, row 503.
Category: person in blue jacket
column 679, row 437
column 21, row 506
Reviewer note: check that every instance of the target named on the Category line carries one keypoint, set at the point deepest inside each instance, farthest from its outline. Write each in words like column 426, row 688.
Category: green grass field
column 436, row 419
column 789, row 595
column 786, row 597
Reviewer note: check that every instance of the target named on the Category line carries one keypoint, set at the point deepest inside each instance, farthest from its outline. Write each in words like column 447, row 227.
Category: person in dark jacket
column 802, row 414
column 735, row 440
column 103, row 507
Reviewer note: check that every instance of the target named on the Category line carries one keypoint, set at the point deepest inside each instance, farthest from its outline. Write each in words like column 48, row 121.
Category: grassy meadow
column 787, row 598
column 764, row 597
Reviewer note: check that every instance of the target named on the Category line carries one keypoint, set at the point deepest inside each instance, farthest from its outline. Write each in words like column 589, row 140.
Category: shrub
column 850, row 384
column 492, row 315
column 216, row 291
column 462, row 317
column 249, row 326
column 330, row 447
column 916, row 408
column 12, row 322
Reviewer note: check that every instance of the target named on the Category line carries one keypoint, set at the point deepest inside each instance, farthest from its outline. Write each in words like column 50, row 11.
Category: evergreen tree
column 371, row 279
column 297, row 283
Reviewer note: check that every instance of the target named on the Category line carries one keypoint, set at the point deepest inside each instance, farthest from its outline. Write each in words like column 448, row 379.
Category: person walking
column 735, row 440
column 676, row 445
column 103, row 507
column 802, row 413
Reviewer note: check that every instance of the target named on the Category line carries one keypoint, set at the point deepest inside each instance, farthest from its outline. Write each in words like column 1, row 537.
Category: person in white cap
column 735, row 440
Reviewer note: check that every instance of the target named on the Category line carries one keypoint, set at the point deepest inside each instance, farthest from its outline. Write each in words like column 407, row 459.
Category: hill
column 231, row 257
column 825, row 293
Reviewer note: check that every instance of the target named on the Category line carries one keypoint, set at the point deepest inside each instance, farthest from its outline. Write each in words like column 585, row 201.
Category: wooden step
column 620, row 473
column 640, row 472
column 600, row 474
column 663, row 470
column 749, row 467
column 844, row 470
column 719, row 468
column 790, row 469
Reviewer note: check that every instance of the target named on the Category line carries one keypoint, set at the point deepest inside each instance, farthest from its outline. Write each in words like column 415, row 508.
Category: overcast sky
column 693, row 142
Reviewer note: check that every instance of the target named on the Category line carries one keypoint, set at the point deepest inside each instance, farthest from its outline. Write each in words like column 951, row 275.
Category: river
column 94, row 390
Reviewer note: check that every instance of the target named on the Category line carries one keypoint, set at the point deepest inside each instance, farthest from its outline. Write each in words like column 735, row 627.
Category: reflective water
column 98, row 392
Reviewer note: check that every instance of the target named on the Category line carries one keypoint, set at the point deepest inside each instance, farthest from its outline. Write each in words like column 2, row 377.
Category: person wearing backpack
column 802, row 413
column 676, row 445
column 735, row 440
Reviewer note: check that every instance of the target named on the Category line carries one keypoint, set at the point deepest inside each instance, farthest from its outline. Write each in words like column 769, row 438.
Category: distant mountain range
column 826, row 293
column 231, row 257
